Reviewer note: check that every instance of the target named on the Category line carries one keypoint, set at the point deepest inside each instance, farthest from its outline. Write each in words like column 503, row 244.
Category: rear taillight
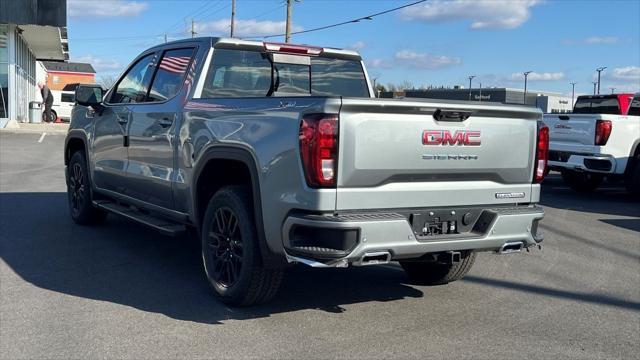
column 603, row 130
column 319, row 149
column 542, row 153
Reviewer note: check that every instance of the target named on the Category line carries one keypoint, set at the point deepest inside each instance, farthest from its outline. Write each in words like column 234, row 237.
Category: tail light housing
column 319, row 149
column 603, row 130
column 542, row 153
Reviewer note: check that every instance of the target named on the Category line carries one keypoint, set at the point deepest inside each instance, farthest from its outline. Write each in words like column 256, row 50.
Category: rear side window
column 69, row 98
column 634, row 109
column 237, row 73
column 134, row 85
column 170, row 74
column 597, row 106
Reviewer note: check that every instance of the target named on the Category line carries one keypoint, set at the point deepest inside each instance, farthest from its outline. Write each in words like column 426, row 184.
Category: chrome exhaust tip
column 511, row 247
column 374, row 258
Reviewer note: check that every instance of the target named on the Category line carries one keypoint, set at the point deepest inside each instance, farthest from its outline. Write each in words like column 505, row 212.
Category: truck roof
column 256, row 45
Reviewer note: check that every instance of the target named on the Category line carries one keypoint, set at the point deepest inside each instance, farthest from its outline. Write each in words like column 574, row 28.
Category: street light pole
column 526, row 74
column 599, row 70
column 470, row 78
column 612, row 90
column 595, row 83
column 573, row 92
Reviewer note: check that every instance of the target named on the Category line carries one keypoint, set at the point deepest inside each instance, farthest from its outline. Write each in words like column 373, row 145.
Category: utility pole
column 193, row 28
column 287, row 37
column 595, row 83
column 165, row 38
column 470, row 78
column 480, row 97
column 573, row 91
column 599, row 70
column 526, row 74
column 233, row 17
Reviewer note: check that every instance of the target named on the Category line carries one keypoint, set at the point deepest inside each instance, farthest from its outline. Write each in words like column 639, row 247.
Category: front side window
column 134, row 85
column 170, row 74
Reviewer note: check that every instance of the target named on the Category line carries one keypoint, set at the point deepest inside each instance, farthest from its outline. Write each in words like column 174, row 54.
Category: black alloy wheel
column 76, row 188
column 225, row 247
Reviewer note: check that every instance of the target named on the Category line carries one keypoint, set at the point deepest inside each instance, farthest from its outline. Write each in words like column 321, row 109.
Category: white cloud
column 536, row 76
column 630, row 73
column 100, row 64
column 378, row 63
column 483, row 14
column 357, row 46
column 244, row 28
column 593, row 40
column 418, row 60
column 105, row 8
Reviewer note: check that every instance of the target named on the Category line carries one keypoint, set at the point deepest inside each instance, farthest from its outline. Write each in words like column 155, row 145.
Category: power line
column 368, row 17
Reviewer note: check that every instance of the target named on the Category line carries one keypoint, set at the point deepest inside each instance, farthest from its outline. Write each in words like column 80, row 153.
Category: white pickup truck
column 599, row 139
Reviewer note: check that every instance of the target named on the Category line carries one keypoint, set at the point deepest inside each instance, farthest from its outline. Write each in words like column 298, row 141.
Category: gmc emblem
column 444, row 137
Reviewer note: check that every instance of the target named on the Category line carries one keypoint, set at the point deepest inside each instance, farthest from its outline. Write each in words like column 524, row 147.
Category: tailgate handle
column 563, row 117
column 451, row 115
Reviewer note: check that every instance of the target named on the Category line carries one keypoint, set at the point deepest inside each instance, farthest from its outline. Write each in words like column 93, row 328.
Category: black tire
column 582, row 181
column 632, row 177
column 79, row 192
column 53, row 118
column 437, row 273
column 231, row 253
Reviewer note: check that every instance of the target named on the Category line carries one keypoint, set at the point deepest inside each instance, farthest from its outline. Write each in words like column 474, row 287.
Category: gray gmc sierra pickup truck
column 278, row 153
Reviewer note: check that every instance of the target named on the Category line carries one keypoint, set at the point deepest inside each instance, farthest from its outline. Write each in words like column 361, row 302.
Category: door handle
column 122, row 121
column 165, row 122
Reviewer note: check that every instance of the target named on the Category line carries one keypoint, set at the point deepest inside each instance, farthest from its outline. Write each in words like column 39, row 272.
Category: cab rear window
column 587, row 105
column 242, row 73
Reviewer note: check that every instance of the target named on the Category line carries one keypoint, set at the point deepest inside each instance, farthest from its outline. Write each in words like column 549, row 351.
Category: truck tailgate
column 572, row 129
column 395, row 154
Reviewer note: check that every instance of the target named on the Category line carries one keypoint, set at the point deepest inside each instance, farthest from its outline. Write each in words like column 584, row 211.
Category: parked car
column 279, row 153
column 63, row 102
column 599, row 139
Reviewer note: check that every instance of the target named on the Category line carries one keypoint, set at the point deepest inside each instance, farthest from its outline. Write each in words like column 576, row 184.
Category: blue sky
column 438, row 42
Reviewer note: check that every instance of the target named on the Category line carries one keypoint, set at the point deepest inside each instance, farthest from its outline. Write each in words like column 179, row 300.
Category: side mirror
column 89, row 95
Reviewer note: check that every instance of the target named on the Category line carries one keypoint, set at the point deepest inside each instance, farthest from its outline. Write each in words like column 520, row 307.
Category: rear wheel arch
column 222, row 166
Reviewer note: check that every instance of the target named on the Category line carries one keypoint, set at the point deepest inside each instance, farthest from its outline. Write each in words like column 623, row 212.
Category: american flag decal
column 175, row 64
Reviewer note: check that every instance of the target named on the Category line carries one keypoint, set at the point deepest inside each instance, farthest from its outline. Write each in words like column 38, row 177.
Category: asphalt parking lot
column 121, row 291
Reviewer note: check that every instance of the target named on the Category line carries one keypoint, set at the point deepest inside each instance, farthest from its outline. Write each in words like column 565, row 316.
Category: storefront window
column 4, row 71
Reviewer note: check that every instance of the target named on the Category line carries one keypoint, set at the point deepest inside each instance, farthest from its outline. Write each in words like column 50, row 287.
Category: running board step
column 166, row 227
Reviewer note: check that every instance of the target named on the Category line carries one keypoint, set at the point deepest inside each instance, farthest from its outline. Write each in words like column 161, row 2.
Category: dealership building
column 30, row 30
column 548, row 102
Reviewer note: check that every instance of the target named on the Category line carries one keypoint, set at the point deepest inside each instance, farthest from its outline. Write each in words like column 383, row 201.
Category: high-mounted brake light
column 542, row 153
column 603, row 130
column 293, row 49
column 319, row 149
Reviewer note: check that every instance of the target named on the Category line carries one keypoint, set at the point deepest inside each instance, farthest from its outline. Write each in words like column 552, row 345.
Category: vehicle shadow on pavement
column 609, row 199
column 125, row 263
column 600, row 299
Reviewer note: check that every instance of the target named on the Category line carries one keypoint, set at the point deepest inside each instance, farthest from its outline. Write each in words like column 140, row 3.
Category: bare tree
column 106, row 80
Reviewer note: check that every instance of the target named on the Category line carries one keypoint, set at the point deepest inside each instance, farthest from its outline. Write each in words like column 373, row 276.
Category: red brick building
column 60, row 74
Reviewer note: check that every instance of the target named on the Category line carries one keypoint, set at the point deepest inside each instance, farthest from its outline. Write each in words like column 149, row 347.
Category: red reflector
column 542, row 153
column 319, row 149
column 292, row 49
column 603, row 130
